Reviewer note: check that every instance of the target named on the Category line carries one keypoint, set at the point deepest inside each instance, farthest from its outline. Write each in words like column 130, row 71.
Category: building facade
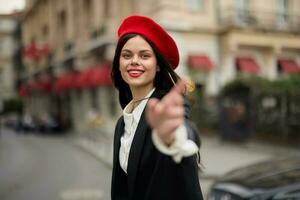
column 259, row 38
column 7, row 47
column 66, row 42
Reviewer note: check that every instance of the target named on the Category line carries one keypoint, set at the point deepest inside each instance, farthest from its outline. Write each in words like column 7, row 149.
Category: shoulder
column 119, row 124
column 120, row 121
column 118, row 130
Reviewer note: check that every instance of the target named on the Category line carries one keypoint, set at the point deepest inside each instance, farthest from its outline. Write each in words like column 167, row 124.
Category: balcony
column 260, row 20
column 98, row 39
column 69, row 52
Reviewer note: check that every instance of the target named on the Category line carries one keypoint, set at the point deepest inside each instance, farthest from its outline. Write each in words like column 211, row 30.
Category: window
column 94, row 99
column 45, row 32
column 195, row 5
column 1, row 46
column 88, row 13
column 62, row 19
column 75, row 22
column 242, row 10
column 1, row 77
column 283, row 10
column 242, row 5
column 107, row 8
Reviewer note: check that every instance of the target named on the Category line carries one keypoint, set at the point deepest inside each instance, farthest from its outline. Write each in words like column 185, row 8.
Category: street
column 34, row 167
column 38, row 167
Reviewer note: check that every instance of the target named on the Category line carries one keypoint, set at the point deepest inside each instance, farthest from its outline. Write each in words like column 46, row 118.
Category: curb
column 90, row 148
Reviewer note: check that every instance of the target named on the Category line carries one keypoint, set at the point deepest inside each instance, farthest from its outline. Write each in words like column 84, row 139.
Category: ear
column 157, row 68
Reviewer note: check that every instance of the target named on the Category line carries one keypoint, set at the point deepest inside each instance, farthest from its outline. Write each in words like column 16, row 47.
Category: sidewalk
column 99, row 144
column 217, row 157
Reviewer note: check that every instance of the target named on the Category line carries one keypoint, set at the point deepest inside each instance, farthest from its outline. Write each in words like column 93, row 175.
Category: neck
column 140, row 93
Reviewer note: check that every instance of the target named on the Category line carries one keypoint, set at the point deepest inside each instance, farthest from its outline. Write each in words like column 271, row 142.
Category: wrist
column 167, row 140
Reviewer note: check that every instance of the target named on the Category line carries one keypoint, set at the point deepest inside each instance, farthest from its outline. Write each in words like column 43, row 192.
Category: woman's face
column 138, row 64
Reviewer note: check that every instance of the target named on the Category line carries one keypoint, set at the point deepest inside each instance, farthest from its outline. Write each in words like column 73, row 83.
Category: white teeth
column 135, row 72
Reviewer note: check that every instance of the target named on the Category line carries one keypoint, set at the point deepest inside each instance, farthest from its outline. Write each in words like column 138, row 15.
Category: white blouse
column 181, row 147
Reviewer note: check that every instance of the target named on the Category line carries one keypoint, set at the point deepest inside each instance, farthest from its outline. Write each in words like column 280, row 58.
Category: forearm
column 183, row 145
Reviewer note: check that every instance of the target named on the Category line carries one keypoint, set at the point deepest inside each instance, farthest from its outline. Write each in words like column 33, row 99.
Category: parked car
column 48, row 124
column 45, row 125
column 270, row 180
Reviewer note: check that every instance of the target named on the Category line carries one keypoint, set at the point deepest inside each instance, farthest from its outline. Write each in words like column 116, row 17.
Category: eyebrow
column 141, row 51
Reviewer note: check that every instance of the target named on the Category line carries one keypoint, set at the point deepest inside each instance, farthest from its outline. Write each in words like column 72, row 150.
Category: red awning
column 23, row 90
column 82, row 78
column 46, row 85
column 40, row 85
column 33, row 85
column 202, row 62
column 31, row 51
column 65, row 82
column 248, row 65
column 288, row 66
column 34, row 51
column 98, row 75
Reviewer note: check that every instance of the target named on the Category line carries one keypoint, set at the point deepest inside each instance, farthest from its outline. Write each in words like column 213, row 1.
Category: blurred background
column 56, row 92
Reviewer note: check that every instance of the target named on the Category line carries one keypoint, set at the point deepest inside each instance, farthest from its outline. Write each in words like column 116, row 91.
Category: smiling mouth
column 135, row 72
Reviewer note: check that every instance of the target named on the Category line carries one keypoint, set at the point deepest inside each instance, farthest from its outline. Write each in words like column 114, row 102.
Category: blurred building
column 67, row 53
column 259, row 38
column 69, row 46
column 8, row 25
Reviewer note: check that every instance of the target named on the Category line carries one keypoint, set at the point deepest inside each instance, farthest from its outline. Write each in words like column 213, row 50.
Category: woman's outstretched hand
column 167, row 114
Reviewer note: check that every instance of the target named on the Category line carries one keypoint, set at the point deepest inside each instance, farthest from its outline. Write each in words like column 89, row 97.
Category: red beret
column 155, row 33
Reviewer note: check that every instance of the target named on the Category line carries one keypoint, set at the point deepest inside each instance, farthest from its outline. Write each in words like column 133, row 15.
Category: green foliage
column 256, row 84
column 280, row 118
column 203, row 111
column 13, row 105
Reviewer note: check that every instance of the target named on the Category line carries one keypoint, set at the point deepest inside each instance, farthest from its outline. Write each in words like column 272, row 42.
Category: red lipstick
column 135, row 72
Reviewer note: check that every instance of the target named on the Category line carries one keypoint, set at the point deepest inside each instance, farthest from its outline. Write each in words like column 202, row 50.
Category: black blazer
column 152, row 175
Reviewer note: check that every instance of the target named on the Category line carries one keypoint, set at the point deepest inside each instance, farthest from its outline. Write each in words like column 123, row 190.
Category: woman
column 155, row 144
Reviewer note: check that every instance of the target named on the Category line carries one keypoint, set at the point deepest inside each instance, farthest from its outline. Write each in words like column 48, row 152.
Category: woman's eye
column 126, row 56
column 145, row 56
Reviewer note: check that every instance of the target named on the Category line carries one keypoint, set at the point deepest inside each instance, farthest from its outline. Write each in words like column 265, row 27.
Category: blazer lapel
column 135, row 153
column 136, row 149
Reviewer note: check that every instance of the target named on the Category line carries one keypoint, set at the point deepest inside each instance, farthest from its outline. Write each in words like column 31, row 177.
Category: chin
column 134, row 81
column 135, row 84
column 138, row 84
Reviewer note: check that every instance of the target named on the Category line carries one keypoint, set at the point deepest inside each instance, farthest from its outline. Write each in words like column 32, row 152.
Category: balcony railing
column 98, row 38
column 69, row 52
column 260, row 20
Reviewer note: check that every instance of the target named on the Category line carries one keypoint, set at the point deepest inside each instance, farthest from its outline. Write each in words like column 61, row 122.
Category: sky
column 8, row 6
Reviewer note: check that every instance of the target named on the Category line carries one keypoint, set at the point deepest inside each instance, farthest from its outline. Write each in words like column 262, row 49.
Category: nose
column 135, row 60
